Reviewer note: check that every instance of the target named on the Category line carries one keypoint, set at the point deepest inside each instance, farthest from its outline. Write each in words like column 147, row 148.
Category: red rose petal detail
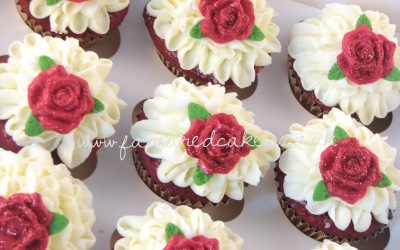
column 348, row 169
column 366, row 57
column 191, row 137
column 24, row 222
column 59, row 100
column 227, row 20
column 178, row 242
column 220, row 144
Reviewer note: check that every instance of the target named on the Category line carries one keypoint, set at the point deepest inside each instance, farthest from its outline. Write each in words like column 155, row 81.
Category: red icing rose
column 227, row 20
column 348, row 169
column 58, row 100
column 215, row 157
column 24, row 222
column 366, row 57
column 178, row 242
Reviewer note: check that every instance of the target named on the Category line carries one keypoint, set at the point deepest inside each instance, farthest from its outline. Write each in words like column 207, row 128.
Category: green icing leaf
column 340, row 134
column 46, row 62
column 58, row 223
column 200, row 177
column 321, row 193
column 254, row 142
column 33, row 127
column 172, row 229
column 52, row 2
column 98, row 106
column 197, row 111
column 385, row 182
column 336, row 73
column 363, row 19
column 256, row 34
column 195, row 31
column 394, row 75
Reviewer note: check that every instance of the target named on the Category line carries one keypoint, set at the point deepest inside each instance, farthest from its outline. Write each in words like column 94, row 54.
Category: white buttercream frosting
column 233, row 60
column 78, row 17
column 23, row 66
column 329, row 245
column 148, row 232
column 300, row 163
column 168, row 121
column 316, row 42
column 32, row 171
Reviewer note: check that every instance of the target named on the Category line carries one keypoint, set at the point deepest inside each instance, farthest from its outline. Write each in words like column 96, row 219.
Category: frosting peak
column 149, row 231
column 77, row 15
column 329, row 245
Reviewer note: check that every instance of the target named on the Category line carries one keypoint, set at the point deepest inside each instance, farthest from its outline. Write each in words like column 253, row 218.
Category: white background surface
column 116, row 187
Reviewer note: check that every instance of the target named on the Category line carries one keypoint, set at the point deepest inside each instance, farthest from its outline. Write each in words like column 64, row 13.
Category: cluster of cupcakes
column 195, row 144
column 56, row 109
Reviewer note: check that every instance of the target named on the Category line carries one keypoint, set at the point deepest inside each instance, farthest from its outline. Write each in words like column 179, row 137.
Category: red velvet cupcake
column 345, row 58
column 193, row 148
column 179, row 228
column 41, row 205
column 336, row 179
column 81, row 19
column 213, row 41
column 48, row 98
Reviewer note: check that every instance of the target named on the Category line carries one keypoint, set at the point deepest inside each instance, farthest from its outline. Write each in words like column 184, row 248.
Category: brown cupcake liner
column 83, row 42
column 166, row 195
column 378, row 125
column 177, row 72
column 303, row 98
column 310, row 231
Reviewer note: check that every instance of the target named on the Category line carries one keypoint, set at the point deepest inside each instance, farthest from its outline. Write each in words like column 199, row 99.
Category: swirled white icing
column 234, row 60
column 148, row 232
column 300, row 163
column 32, row 170
column 329, row 245
column 168, row 121
column 92, row 14
column 23, row 66
column 316, row 42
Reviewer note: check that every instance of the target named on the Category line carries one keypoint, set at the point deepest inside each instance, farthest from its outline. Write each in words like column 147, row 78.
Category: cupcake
column 54, row 94
column 180, row 228
column 87, row 20
column 348, row 59
column 329, row 245
column 198, row 146
column 226, row 43
column 336, row 179
column 42, row 206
